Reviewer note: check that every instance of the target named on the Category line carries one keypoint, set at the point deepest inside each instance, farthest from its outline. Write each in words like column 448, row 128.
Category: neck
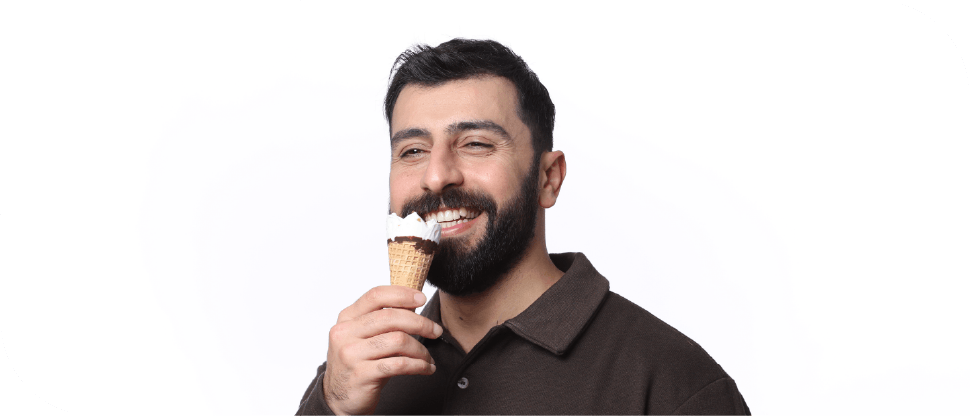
column 469, row 318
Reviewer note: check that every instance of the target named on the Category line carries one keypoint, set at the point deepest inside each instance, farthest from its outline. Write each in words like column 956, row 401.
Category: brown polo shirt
column 578, row 349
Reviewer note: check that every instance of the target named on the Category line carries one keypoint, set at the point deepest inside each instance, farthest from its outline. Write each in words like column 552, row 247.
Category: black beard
column 461, row 269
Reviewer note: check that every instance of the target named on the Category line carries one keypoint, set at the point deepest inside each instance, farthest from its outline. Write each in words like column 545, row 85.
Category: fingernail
column 432, row 360
column 433, row 368
column 420, row 298
column 438, row 330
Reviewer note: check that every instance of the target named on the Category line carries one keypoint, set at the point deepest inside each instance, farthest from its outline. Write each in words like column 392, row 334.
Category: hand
column 370, row 344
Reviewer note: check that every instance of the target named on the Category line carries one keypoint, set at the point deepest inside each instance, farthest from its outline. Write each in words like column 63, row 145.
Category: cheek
column 498, row 183
column 402, row 188
column 397, row 196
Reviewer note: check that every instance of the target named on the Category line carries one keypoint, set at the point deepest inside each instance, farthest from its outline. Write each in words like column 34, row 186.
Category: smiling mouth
column 450, row 217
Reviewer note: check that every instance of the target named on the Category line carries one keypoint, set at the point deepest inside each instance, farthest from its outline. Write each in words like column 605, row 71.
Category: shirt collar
column 557, row 318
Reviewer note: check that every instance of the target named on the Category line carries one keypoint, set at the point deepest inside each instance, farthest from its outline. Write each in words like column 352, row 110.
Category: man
column 511, row 329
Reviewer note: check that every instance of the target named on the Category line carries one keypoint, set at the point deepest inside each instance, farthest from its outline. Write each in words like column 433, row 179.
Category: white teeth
column 450, row 217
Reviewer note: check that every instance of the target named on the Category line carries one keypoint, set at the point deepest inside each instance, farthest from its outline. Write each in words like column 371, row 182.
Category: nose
column 442, row 171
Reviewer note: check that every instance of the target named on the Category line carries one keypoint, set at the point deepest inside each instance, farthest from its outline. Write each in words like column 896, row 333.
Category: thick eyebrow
column 479, row 125
column 452, row 130
column 407, row 134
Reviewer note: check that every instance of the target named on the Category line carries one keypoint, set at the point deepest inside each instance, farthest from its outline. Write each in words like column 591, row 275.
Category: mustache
column 450, row 198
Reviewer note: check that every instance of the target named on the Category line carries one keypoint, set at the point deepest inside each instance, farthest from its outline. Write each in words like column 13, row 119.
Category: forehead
column 482, row 98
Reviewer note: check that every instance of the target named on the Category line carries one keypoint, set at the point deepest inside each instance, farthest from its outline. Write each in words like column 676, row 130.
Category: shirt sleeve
column 313, row 402
column 721, row 397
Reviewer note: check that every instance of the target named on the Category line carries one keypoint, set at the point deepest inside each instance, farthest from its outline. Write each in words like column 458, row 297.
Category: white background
column 189, row 193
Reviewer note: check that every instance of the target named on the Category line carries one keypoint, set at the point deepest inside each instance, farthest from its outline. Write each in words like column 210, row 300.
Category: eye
column 412, row 152
column 478, row 147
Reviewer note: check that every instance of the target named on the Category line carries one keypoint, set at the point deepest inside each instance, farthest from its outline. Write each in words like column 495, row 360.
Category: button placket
column 463, row 383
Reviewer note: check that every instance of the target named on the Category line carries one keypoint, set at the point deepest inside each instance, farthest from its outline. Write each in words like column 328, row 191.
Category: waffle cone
column 409, row 266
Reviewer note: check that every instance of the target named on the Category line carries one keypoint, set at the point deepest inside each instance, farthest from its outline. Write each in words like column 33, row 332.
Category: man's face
column 460, row 152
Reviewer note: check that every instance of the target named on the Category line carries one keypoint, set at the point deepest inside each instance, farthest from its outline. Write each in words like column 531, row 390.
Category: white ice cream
column 413, row 226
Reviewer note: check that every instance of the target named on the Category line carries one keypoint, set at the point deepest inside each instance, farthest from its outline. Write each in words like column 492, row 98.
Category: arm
column 313, row 402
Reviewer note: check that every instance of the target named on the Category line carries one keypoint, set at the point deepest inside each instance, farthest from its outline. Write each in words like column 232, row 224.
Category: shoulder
column 671, row 368
column 626, row 322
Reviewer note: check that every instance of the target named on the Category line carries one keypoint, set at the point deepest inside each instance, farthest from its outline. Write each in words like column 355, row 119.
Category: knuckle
column 371, row 319
column 385, row 367
column 400, row 363
column 427, row 325
column 421, row 325
column 373, row 295
column 377, row 343
column 337, row 332
column 399, row 339
column 343, row 355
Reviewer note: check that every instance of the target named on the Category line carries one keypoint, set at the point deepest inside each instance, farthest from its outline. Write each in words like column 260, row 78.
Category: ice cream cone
column 409, row 265
column 411, row 244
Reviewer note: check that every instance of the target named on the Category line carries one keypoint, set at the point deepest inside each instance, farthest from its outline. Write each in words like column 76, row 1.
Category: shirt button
column 463, row 383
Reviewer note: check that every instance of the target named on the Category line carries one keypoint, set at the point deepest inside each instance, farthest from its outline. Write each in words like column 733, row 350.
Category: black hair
column 467, row 58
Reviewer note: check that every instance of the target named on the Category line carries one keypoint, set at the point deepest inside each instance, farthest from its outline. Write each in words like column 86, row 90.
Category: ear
column 552, row 171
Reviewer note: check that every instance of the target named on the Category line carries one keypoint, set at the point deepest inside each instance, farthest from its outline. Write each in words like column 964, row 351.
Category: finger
column 382, row 297
column 399, row 366
column 389, row 320
column 392, row 344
